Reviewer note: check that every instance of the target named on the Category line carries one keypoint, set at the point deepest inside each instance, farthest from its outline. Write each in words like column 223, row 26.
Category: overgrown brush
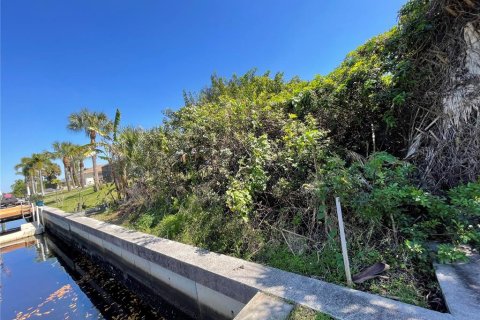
column 251, row 165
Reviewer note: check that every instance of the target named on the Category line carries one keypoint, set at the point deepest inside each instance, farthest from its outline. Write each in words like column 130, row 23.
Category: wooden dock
column 15, row 213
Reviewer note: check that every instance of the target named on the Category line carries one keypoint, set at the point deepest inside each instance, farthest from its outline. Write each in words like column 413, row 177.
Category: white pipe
column 343, row 242
column 45, row 245
column 38, row 217
column 41, row 215
column 42, row 251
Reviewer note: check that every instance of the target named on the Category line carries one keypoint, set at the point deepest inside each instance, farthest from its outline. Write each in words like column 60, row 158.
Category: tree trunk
column 94, row 161
column 67, row 178
column 77, row 176
column 27, row 187
column 124, row 180
column 73, row 174
column 114, row 178
column 82, row 175
column 41, row 182
column 32, row 181
column 96, row 187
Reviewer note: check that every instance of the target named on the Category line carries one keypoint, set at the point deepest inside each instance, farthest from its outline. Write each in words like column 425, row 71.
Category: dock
column 15, row 213
column 26, row 230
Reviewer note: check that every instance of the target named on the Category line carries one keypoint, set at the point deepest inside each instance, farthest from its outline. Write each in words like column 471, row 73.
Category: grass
column 399, row 283
column 407, row 282
column 113, row 217
column 68, row 201
column 303, row 313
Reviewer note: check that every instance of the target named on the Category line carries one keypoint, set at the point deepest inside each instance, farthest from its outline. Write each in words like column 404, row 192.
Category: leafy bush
column 251, row 166
column 447, row 254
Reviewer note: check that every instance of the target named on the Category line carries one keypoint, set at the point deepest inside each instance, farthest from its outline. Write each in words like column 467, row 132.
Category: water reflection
column 43, row 278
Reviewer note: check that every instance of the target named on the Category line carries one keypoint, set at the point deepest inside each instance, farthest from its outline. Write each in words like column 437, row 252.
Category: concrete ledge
column 26, row 230
column 224, row 284
column 266, row 307
column 460, row 284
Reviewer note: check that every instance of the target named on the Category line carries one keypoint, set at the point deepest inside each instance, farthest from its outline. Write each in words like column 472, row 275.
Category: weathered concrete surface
column 26, row 230
column 230, row 277
column 265, row 307
column 460, row 284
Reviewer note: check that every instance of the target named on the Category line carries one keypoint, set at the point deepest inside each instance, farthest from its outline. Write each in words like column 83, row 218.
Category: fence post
column 343, row 241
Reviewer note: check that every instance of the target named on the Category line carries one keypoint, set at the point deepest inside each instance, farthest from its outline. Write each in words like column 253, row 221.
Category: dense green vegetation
column 18, row 188
column 251, row 165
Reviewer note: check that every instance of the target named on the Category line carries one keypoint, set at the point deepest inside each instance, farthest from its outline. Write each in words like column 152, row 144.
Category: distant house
column 104, row 175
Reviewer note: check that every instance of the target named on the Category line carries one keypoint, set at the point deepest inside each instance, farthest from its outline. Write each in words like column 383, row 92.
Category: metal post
column 343, row 241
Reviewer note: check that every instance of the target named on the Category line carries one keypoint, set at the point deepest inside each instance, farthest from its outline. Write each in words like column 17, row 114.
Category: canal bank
column 43, row 277
column 210, row 286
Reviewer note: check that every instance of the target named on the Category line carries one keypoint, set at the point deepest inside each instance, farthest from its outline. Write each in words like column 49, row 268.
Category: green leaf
column 333, row 233
column 321, row 212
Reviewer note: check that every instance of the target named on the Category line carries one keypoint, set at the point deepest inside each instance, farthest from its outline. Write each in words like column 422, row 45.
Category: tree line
column 104, row 141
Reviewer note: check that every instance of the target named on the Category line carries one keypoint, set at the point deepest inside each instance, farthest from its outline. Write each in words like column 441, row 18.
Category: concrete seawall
column 212, row 286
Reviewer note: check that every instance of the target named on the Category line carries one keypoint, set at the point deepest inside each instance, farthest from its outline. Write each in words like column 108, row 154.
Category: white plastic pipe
column 41, row 216
column 38, row 217
column 343, row 241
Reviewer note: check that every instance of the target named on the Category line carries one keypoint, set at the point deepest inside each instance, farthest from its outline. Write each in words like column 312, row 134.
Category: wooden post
column 343, row 241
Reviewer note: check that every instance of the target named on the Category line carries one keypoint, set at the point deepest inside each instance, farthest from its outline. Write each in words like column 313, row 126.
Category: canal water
column 44, row 278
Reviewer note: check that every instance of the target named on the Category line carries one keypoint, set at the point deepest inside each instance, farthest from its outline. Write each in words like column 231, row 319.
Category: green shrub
column 170, row 226
column 447, row 253
column 145, row 222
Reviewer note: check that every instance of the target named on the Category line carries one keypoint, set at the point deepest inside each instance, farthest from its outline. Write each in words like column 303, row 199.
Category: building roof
column 90, row 170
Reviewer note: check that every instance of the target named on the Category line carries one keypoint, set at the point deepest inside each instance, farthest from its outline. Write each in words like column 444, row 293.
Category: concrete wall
column 211, row 286
column 135, row 256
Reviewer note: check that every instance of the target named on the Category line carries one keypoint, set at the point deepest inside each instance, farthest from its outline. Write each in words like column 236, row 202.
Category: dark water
column 47, row 279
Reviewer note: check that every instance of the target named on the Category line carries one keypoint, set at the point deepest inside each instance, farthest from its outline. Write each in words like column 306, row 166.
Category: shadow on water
column 47, row 278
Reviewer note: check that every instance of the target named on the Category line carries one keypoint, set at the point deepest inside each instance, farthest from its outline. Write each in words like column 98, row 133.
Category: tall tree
column 79, row 153
column 63, row 151
column 25, row 167
column 125, row 148
column 93, row 124
column 41, row 162
column 19, row 188
column 108, row 144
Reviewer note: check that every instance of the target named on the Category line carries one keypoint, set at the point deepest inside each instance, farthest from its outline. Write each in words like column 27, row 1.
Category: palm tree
column 25, row 167
column 63, row 151
column 125, row 144
column 92, row 123
column 37, row 164
column 40, row 162
column 78, row 155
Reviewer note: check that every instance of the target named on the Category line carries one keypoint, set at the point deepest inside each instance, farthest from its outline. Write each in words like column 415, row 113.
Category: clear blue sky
column 58, row 56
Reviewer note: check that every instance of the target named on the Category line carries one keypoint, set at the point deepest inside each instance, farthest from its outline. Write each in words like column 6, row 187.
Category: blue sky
column 59, row 56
